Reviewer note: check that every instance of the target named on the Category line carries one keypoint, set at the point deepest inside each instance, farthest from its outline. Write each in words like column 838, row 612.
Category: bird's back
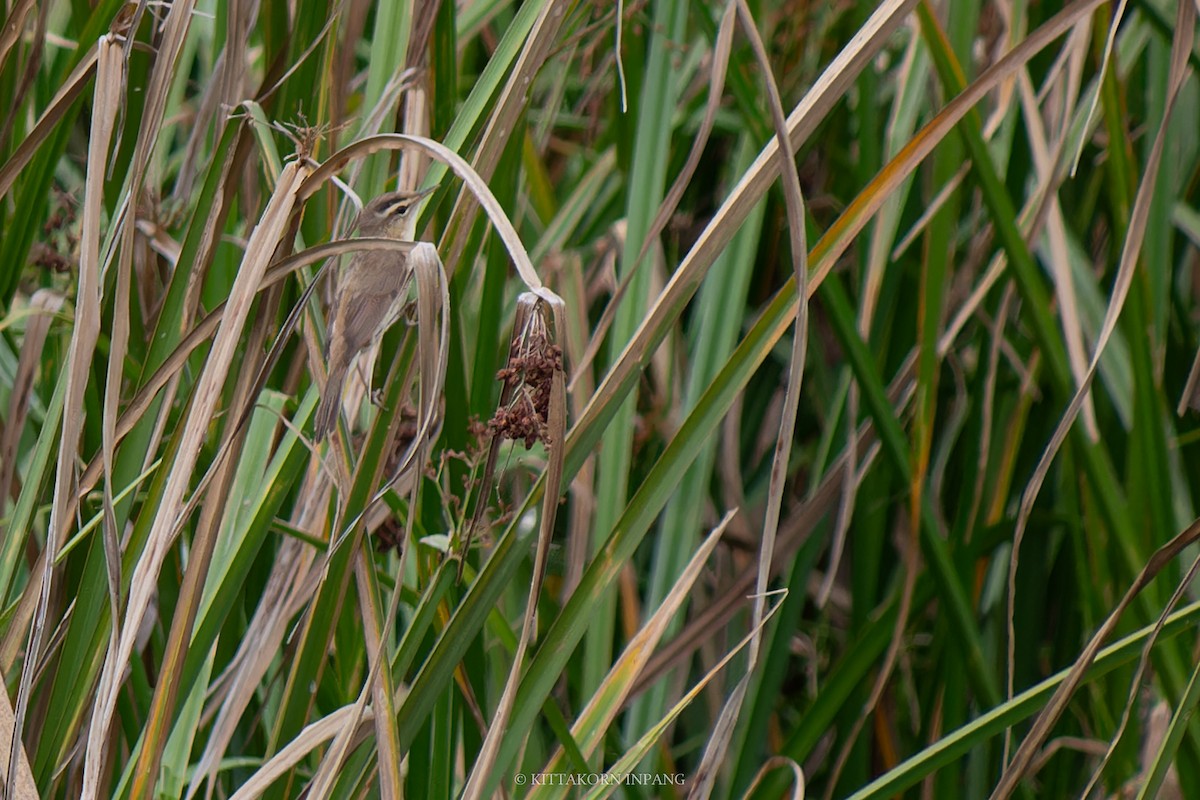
column 371, row 297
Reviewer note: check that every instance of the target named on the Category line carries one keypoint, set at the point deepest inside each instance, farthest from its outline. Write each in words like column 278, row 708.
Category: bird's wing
column 371, row 288
column 363, row 315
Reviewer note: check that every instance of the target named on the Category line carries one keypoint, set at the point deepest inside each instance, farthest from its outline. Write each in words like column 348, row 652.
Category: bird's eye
column 398, row 209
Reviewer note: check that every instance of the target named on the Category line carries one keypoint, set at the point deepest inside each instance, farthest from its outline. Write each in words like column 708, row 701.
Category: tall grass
column 795, row 399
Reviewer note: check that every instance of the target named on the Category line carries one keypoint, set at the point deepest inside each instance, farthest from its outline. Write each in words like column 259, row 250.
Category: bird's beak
column 421, row 195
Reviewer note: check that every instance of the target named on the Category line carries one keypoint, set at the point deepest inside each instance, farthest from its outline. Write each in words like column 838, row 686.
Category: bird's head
column 392, row 215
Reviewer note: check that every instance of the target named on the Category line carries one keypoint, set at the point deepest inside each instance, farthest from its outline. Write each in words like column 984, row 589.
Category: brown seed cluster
column 528, row 379
column 56, row 253
column 404, row 438
column 390, row 534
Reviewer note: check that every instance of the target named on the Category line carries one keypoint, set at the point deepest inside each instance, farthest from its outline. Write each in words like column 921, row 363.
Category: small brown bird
column 370, row 295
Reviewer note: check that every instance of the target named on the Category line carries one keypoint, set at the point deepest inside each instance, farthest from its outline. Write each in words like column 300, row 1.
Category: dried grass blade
column 66, row 95
column 378, row 687
column 718, row 743
column 716, row 82
column 13, row 25
column 433, row 344
column 19, row 777
column 599, row 331
column 845, row 511
column 433, row 347
column 259, row 249
column 43, row 306
column 779, row 762
column 556, row 424
column 204, row 330
column 151, row 124
column 794, row 200
column 513, row 99
column 203, row 544
column 174, row 33
column 1062, row 695
column 1180, row 49
column 313, row 736
column 628, row 762
column 223, row 92
column 433, row 296
column 83, row 344
column 119, row 342
column 473, row 180
column 387, row 736
column 526, row 308
column 1136, row 685
column 1191, row 392
column 583, row 501
column 1110, row 42
column 163, row 74
column 716, row 235
column 33, row 60
column 118, row 348
column 246, row 399
column 288, row 589
column 606, row 703
column 14, row 642
column 1046, row 165
column 800, row 525
column 733, row 211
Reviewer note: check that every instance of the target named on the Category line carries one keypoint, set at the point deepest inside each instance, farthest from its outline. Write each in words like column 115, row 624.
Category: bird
column 370, row 296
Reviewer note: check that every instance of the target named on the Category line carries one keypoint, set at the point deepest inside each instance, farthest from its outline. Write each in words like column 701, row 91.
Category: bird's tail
column 331, row 403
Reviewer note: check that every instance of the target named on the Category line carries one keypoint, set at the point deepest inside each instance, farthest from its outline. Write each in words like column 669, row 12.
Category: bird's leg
column 374, row 393
column 409, row 313
column 365, row 366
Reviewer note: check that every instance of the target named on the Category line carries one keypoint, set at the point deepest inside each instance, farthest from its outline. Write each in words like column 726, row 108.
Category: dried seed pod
column 523, row 413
